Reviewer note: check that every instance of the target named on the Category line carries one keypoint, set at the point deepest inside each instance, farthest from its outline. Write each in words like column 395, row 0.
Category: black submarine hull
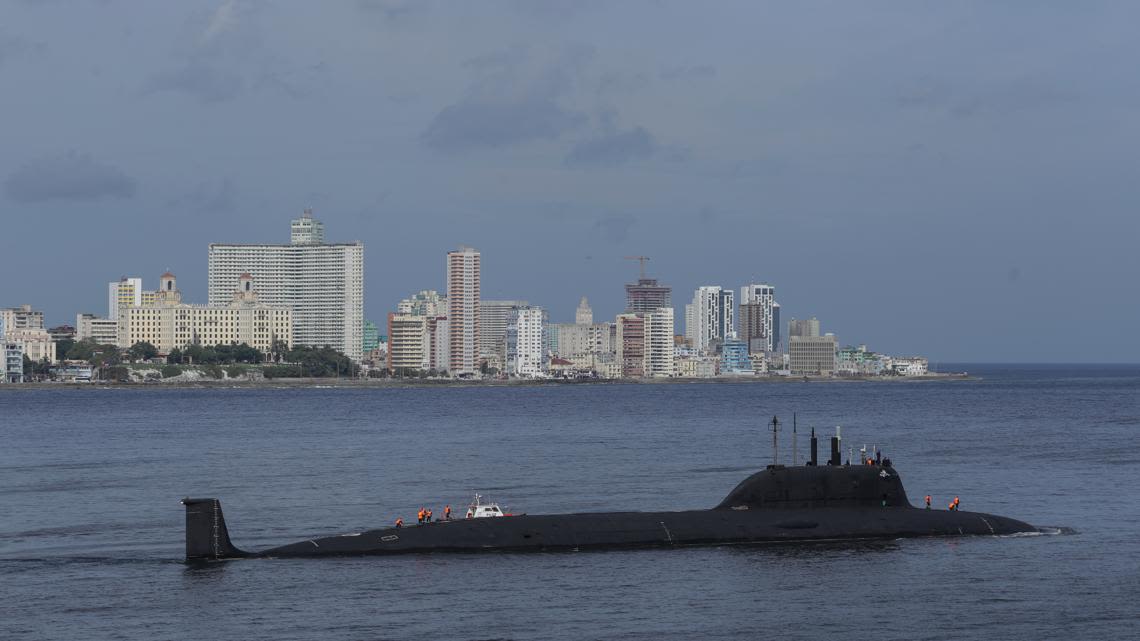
column 615, row 530
column 778, row 504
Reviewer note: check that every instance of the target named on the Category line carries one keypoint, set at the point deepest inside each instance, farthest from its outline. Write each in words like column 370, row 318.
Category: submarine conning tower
column 873, row 483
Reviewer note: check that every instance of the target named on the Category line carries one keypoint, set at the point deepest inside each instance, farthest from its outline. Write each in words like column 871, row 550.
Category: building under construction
column 646, row 295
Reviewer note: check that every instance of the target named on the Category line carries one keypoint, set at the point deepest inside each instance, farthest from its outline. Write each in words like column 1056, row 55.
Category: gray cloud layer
column 70, row 176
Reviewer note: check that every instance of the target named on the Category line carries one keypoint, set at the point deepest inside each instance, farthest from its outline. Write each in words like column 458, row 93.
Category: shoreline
column 384, row 383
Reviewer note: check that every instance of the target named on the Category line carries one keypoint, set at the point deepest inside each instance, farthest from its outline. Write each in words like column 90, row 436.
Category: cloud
column 694, row 72
column 490, row 123
column 614, row 227
column 216, row 197
column 70, row 176
column 613, row 147
column 202, row 81
column 514, row 99
column 223, row 19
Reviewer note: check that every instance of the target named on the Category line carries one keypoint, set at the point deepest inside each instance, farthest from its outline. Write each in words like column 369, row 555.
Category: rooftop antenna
column 641, row 260
column 775, row 439
column 795, row 449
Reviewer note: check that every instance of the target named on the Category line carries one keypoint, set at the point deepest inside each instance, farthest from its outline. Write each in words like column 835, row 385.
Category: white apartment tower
column 322, row 282
column 659, row 343
column 525, row 356
column 710, row 318
column 463, row 310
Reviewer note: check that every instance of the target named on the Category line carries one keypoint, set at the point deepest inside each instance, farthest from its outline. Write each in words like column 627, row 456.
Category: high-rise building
column 659, row 362
column 764, row 295
column 306, row 230
column 524, row 341
column 371, row 339
column 777, row 344
column 427, row 302
column 494, row 316
column 463, row 270
column 807, row 328
column 647, row 295
column 630, row 344
column 168, row 323
column 409, row 343
column 712, row 317
column 322, row 282
column 439, row 339
column 753, row 327
column 812, row 354
column 584, row 315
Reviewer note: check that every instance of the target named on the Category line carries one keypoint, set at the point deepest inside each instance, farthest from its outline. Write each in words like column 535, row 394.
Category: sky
column 953, row 179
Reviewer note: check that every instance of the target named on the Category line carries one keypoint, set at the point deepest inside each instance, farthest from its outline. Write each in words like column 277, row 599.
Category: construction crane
column 641, row 260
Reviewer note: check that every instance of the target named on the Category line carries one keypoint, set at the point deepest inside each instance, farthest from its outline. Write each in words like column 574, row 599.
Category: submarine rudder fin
column 207, row 538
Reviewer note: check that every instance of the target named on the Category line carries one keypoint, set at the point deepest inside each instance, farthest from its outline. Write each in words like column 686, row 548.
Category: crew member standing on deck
column 447, row 512
column 399, row 521
column 429, row 515
column 420, row 516
column 955, row 504
column 928, row 501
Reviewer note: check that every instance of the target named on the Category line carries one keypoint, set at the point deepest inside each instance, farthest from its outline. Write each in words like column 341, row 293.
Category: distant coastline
column 285, row 383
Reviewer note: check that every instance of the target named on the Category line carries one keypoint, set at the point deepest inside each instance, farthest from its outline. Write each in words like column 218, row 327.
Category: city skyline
column 934, row 202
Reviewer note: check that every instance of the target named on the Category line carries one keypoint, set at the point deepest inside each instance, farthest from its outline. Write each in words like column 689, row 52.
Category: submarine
column 796, row 503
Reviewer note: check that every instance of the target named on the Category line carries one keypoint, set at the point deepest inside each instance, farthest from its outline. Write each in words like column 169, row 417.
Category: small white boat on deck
column 480, row 510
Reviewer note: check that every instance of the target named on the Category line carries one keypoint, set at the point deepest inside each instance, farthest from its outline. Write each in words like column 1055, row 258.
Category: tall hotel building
column 322, row 282
column 761, row 327
column 463, row 310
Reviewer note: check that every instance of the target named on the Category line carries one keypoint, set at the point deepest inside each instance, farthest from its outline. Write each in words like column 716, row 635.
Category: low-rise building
column 695, row 366
column 910, row 365
column 812, row 355
column 734, row 358
column 168, row 323
column 104, row 331
column 13, row 361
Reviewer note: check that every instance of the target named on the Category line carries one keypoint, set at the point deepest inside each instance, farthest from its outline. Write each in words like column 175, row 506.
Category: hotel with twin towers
column 322, row 282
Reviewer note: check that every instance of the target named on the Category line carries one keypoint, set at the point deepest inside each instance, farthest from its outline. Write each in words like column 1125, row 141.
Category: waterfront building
column 630, row 345
column 524, row 344
column 910, row 365
column 463, row 304
column 439, row 339
column 812, row 355
column 13, row 360
column 753, row 328
column 323, row 283
column 734, row 358
column 712, row 315
column 584, row 315
column 696, row 366
column 168, row 323
column 409, row 342
column 763, row 295
column 371, row 339
column 494, row 316
column 808, row 328
column 646, row 295
column 659, row 343
column 25, row 326
column 859, row 361
column 427, row 302
column 104, row 331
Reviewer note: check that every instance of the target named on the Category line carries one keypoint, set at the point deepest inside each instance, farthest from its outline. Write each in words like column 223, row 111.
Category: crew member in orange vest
column 399, row 522
column 956, row 504
column 429, row 515
column 928, row 501
column 420, row 515
column 447, row 512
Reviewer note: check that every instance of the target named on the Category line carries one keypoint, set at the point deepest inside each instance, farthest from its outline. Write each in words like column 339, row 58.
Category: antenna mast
column 775, row 439
column 795, row 449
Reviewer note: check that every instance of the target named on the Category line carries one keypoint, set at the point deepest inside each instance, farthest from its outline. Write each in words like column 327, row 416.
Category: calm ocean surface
column 91, row 531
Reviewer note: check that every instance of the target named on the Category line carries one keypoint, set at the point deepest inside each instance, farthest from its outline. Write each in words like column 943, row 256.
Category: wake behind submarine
column 780, row 503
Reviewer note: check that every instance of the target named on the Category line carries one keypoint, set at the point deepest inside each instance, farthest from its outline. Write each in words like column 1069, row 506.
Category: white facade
column 12, row 365
column 525, row 355
column 711, row 317
column 764, row 295
column 409, row 342
column 25, row 326
column 584, row 315
column 812, row 354
column 427, row 302
column 494, row 316
column 463, row 302
column 322, row 283
column 104, row 331
column 659, row 343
